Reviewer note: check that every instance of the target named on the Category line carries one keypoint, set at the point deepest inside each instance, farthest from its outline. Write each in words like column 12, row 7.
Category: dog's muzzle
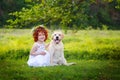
column 57, row 40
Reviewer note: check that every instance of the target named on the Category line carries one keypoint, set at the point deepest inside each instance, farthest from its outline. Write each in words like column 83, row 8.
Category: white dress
column 39, row 60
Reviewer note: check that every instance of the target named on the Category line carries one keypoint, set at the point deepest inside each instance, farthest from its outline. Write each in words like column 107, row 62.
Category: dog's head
column 57, row 36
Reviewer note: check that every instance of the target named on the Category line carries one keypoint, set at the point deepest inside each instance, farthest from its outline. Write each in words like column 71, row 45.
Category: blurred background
column 65, row 14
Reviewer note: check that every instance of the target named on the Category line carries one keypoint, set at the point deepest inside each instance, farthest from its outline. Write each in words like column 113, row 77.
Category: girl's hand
column 42, row 53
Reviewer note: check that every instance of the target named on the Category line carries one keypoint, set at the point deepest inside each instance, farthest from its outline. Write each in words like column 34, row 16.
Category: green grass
column 97, row 54
column 83, row 70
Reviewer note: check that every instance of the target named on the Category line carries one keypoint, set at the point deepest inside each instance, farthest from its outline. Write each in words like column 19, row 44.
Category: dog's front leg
column 64, row 62
column 51, row 51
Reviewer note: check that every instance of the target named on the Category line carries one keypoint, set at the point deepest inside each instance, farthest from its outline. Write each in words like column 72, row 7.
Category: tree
column 78, row 14
column 52, row 12
column 10, row 6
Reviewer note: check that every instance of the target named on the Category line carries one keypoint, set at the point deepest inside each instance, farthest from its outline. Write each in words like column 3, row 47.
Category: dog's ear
column 62, row 35
column 52, row 36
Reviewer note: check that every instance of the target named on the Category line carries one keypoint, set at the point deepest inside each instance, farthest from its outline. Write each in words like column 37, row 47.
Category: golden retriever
column 56, row 50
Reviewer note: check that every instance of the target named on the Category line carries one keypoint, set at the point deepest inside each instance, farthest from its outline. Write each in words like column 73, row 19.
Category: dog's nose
column 57, row 37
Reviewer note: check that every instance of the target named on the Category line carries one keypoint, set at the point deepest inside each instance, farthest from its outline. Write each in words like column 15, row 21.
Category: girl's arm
column 34, row 51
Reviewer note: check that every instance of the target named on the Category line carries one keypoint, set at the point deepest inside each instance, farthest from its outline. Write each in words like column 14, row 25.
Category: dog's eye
column 54, row 34
column 59, row 34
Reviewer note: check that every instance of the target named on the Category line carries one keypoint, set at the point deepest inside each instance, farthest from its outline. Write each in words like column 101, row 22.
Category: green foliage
column 64, row 13
column 26, row 17
column 118, row 4
column 9, row 6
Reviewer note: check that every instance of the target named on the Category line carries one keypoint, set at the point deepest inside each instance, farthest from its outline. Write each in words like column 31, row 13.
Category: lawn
column 96, row 52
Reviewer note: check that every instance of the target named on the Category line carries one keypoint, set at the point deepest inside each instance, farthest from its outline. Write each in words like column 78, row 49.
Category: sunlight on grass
column 97, row 54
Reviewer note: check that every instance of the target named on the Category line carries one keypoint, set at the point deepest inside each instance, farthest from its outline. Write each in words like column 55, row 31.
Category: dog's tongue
column 57, row 41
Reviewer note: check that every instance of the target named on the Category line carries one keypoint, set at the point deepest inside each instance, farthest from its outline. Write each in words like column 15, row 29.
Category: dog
column 56, row 50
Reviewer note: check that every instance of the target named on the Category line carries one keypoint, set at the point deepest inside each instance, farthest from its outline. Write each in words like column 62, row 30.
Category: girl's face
column 41, row 36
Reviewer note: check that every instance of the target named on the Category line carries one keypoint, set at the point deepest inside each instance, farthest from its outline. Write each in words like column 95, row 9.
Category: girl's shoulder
column 35, row 44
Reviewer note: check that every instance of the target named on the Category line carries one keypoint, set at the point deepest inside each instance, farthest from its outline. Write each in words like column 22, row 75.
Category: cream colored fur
column 56, row 50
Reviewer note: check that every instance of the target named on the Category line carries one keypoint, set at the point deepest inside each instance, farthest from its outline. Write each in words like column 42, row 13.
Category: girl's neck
column 40, row 42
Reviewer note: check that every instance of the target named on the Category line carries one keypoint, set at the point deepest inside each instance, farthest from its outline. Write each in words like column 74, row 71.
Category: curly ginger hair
column 36, row 32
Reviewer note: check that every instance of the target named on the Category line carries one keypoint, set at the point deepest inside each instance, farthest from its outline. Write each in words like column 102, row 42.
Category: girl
column 38, row 55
